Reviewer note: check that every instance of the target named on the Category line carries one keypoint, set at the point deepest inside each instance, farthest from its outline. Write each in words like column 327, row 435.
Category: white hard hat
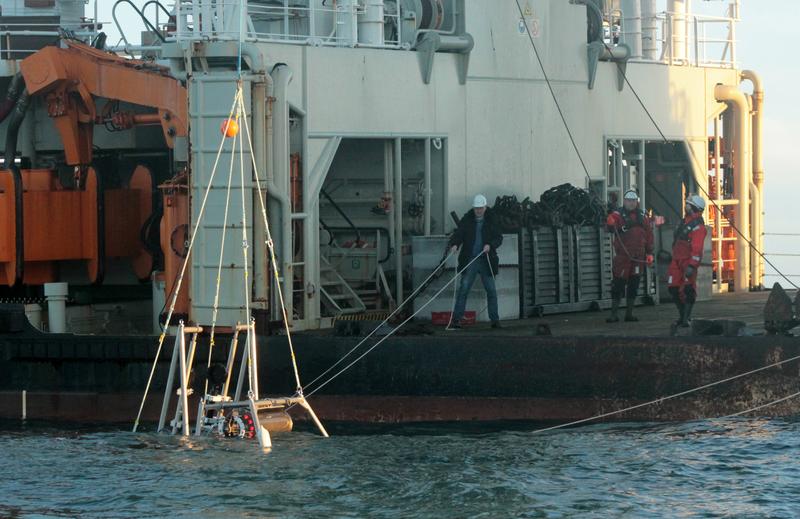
column 479, row 201
column 696, row 201
column 631, row 194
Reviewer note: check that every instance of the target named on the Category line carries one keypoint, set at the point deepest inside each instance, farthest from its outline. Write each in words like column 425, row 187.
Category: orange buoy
column 229, row 128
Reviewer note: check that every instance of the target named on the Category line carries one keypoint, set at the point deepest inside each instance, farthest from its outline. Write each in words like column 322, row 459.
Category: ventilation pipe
column 679, row 14
column 632, row 26
column 370, row 23
column 346, row 22
column 755, row 220
column 56, row 296
column 737, row 103
column 649, row 30
column 278, row 177
column 758, row 169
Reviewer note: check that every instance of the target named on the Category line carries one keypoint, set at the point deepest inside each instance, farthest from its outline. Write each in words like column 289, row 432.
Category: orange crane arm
column 72, row 77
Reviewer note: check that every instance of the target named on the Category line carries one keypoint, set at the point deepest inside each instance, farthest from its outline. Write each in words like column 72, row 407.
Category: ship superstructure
column 372, row 121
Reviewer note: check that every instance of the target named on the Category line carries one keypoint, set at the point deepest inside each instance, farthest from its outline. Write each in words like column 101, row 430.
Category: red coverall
column 687, row 249
column 633, row 240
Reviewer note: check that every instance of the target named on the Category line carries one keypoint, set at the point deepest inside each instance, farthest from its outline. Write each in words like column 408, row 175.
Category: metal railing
column 297, row 22
column 705, row 41
column 693, row 40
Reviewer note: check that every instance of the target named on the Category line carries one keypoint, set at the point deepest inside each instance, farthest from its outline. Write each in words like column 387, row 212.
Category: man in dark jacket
column 478, row 235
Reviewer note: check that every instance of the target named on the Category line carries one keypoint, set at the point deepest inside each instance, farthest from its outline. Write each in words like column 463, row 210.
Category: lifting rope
column 237, row 112
column 215, row 308
column 273, row 260
column 179, row 281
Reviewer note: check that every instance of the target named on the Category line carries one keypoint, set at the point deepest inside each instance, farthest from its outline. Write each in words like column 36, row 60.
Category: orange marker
column 229, row 128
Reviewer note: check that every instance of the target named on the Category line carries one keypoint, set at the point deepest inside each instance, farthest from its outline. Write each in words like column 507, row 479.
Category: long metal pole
column 254, row 348
column 231, row 361
column 184, row 382
column 168, row 389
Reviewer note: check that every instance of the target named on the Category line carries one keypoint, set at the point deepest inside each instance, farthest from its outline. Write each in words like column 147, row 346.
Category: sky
column 766, row 43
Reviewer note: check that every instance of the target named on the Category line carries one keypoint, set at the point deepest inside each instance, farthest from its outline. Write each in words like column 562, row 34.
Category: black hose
column 99, row 41
column 12, row 96
column 12, row 132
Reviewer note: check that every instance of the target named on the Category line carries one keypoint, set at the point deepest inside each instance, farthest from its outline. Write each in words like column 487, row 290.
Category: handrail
column 157, row 4
column 378, row 228
column 342, row 213
column 141, row 15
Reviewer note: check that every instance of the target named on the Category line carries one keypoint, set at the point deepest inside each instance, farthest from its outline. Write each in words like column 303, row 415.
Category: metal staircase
column 337, row 294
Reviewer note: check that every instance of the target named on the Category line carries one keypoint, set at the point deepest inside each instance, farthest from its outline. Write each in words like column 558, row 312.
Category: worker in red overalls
column 687, row 251
column 633, row 249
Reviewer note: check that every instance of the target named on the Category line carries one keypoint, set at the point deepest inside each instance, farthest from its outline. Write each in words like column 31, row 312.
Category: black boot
column 673, row 328
column 614, row 318
column 629, row 318
column 686, row 315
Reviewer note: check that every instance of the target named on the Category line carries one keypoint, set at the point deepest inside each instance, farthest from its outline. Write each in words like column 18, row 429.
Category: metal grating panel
column 210, row 101
column 564, row 269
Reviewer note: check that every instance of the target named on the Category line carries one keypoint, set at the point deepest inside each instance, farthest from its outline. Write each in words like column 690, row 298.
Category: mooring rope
column 671, row 397
column 762, row 406
column 392, row 332
column 391, row 315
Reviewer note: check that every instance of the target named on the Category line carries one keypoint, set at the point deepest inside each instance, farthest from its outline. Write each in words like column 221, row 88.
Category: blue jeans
column 480, row 267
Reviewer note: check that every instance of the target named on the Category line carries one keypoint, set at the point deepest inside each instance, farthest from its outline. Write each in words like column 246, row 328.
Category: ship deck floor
column 654, row 321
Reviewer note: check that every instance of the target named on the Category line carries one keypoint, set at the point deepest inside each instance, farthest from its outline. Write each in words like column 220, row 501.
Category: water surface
column 723, row 468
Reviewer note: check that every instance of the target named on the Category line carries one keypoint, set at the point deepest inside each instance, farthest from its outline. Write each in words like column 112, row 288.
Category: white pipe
column 398, row 218
column 56, row 295
column 33, row 312
column 743, row 166
column 758, row 165
column 632, row 26
column 649, row 30
column 259, row 117
column 677, row 10
column 278, row 181
column 718, row 212
column 347, row 23
column 370, row 23
column 427, row 195
column 755, row 219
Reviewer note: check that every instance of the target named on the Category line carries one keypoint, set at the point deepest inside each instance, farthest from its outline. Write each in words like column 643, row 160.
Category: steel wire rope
column 429, row 301
column 668, row 397
column 697, row 163
column 655, row 124
column 561, row 113
column 271, row 249
column 762, row 406
column 252, row 366
column 215, row 308
column 179, row 281
column 485, row 307
column 413, row 294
